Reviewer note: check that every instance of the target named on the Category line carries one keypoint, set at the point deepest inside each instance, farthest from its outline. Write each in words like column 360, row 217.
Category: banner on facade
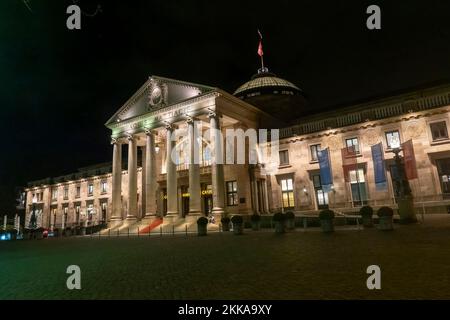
column 349, row 161
column 326, row 176
column 410, row 160
column 379, row 167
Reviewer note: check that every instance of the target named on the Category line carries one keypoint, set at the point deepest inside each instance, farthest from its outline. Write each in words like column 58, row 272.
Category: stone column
column 132, row 179
column 116, row 182
column 150, row 176
column 266, row 196
column 217, row 174
column 171, row 169
column 194, row 170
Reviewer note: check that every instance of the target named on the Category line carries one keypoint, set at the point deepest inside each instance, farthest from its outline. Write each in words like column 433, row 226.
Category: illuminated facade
column 144, row 185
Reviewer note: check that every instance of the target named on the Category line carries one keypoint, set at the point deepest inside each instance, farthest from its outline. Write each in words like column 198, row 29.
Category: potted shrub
column 326, row 220
column 385, row 218
column 290, row 220
column 68, row 231
column 202, row 226
column 38, row 233
column 256, row 221
column 366, row 213
column 278, row 219
column 55, row 232
column 27, row 233
column 238, row 224
column 225, row 223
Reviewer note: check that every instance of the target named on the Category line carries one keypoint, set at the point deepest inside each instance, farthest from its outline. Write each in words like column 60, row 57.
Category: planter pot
column 367, row 221
column 201, row 229
column 385, row 223
column 38, row 235
column 225, row 226
column 83, row 231
column 68, row 233
column 279, row 227
column 256, row 225
column 290, row 224
column 238, row 228
column 327, row 225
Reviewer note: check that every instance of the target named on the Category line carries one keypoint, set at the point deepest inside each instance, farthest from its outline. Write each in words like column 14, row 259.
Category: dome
column 276, row 96
column 265, row 82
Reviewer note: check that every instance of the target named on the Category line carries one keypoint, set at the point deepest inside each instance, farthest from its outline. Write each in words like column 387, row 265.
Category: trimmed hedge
column 385, row 212
column 326, row 214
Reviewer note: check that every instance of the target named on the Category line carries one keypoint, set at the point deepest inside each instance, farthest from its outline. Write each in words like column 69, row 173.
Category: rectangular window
column 78, row 193
column 104, row 186
column 90, row 189
column 287, row 193
column 232, row 195
column 314, row 149
column 439, row 131
column 77, row 213
column 54, row 194
column 358, row 187
column 66, row 193
column 393, row 139
column 352, row 142
column 284, row 157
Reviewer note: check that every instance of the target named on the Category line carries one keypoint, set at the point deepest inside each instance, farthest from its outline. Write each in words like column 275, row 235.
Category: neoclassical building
column 142, row 184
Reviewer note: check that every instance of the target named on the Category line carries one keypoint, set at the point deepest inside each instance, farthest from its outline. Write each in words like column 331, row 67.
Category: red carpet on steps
column 152, row 226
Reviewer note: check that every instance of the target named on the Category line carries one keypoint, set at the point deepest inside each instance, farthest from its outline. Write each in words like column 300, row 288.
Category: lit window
column 90, row 189
column 352, row 142
column 287, row 192
column 78, row 194
column 66, row 193
column 314, row 149
column 439, row 131
column 232, row 195
column 54, row 194
column 393, row 139
column 284, row 157
column 104, row 186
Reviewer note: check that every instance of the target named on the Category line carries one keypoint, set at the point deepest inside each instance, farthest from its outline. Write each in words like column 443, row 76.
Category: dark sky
column 58, row 87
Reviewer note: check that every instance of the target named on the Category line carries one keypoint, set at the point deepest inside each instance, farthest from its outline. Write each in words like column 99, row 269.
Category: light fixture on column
column 305, row 191
column 157, row 148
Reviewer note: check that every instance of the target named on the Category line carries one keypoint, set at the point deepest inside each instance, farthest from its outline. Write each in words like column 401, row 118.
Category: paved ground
column 415, row 263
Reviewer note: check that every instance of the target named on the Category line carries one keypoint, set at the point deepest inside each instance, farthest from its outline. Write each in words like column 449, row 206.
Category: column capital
column 212, row 114
column 116, row 141
column 170, row 126
column 149, row 132
column 130, row 137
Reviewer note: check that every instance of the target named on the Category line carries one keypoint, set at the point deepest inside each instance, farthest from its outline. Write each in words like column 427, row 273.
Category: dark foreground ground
column 414, row 261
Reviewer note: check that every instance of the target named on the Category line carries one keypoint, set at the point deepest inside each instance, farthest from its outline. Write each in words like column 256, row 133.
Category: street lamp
column 403, row 190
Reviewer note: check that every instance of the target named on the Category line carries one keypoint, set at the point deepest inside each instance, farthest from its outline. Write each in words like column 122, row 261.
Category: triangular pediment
column 156, row 93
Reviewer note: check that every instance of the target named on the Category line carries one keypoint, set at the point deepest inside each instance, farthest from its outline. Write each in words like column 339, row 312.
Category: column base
column 114, row 222
column 220, row 211
column 131, row 218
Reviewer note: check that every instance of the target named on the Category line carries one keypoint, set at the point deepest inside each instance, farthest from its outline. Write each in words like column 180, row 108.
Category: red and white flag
column 260, row 48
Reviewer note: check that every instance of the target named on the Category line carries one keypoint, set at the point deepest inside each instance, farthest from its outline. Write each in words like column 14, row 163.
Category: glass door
column 321, row 196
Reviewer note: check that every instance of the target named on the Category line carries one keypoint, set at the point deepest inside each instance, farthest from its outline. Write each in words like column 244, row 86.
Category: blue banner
column 326, row 176
column 379, row 167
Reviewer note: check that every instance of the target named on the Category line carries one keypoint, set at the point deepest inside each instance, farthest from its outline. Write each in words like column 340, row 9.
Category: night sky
column 58, row 87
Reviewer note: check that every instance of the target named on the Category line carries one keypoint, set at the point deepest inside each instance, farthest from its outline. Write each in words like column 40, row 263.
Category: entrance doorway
column 184, row 201
column 443, row 167
column 207, row 199
column 321, row 196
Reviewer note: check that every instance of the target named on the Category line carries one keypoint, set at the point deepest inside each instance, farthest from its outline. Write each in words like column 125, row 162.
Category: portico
column 176, row 126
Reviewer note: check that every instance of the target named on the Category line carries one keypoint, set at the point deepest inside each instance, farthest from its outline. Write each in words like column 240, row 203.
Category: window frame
column 386, row 137
column 286, row 152
column 358, row 145
column 436, row 140
column 233, row 193
column 289, row 192
column 90, row 186
column 318, row 147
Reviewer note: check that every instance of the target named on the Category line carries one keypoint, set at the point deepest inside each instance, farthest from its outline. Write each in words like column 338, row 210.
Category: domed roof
column 265, row 82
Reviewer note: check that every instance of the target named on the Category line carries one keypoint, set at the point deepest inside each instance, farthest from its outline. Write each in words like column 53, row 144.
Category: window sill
column 284, row 166
column 438, row 142
column 313, row 161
